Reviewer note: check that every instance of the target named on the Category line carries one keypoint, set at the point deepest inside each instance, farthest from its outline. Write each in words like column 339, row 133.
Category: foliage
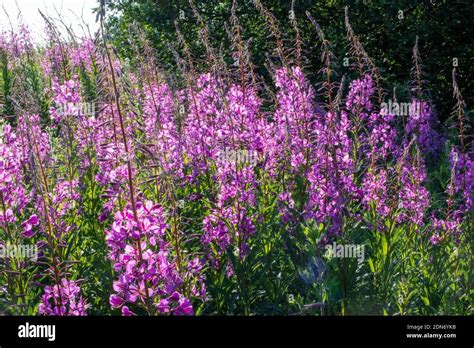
column 443, row 28
column 234, row 185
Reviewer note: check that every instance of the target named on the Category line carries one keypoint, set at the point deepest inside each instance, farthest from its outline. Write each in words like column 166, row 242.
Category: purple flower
column 435, row 239
column 28, row 226
column 462, row 179
column 374, row 188
column 360, row 92
column 116, row 301
column 126, row 312
column 414, row 198
column 423, row 122
column 184, row 307
column 150, row 268
column 62, row 300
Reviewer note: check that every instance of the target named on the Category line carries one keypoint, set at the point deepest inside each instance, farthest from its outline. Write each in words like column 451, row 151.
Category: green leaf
column 371, row 265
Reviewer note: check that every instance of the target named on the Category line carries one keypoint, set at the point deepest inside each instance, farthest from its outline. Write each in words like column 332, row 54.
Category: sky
column 70, row 11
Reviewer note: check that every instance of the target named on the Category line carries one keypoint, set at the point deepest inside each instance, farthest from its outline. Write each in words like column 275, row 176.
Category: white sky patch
column 76, row 14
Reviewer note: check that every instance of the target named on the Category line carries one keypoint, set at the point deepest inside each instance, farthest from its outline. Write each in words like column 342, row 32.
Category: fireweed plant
column 131, row 185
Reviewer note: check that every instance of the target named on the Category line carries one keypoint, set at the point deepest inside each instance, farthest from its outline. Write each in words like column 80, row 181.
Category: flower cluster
column 83, row 54
column 12, row 192
column 17, row 43
column 460, row 197
column 374, row 188
column 230, row 223
column 148, row 275
column 359, row 97
column 382, row 137
column 462, row 169
column 161, row 129
column 295, row 117
column 66, row 98
column 63, row 299
column 200, row 124
column 188, row 195
column 413, row 197
column 423, row 122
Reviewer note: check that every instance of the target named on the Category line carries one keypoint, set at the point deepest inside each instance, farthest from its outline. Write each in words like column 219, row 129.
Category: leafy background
column 444, row 29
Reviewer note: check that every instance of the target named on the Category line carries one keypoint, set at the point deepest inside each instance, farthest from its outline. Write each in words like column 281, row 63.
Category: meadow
column 222, row 190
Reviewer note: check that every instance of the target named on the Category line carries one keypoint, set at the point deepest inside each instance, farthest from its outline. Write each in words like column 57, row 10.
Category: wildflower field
column 227, row 188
